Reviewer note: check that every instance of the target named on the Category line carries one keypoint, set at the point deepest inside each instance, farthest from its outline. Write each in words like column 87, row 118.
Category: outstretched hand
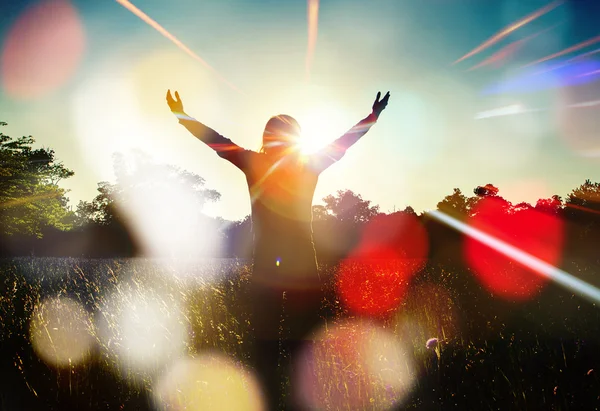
column 176, row 106
column 379, row 105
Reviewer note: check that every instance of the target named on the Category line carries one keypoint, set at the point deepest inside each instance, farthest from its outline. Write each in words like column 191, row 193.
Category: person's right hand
column 379, row 105
column 176, row 106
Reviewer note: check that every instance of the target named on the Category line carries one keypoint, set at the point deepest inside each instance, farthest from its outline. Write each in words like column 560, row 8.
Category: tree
column 101, row 210
column 320, row 213
column 486, row 194
column 410, row 211
column 585, row 197
column 161, row 204
column 522, row 206
column 552, row 205
column 144, row 185
column 346, row 206
column 455, row 204
column 239, row 238
column 30, row 198
column 582, row 207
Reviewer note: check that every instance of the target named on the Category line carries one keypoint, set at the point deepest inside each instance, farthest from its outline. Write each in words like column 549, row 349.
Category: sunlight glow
column 320, row 126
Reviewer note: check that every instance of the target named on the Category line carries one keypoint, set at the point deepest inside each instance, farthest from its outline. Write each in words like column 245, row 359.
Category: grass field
column 145, row 335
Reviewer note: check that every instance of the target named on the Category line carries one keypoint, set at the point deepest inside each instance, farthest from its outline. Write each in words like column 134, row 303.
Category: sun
column 320, row 126
column 309, row 144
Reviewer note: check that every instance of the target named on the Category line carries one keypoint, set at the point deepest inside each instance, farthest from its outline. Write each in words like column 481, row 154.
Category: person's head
column 281, row 134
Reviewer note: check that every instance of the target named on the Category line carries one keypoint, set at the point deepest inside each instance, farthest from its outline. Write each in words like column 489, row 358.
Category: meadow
column 116, row 334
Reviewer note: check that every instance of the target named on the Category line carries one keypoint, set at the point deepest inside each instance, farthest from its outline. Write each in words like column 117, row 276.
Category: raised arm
column 336, row 150
column 224, row 147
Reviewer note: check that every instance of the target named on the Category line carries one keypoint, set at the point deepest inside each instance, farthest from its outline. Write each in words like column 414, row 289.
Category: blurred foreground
column 141, row 335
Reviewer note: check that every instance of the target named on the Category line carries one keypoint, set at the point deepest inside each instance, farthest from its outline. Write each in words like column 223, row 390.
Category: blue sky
column 426, row 142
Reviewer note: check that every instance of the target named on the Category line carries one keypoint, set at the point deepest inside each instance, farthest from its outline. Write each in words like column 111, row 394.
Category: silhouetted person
column 281, row 183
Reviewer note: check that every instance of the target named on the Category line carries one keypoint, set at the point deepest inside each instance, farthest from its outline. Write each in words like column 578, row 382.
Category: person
column 281, row 183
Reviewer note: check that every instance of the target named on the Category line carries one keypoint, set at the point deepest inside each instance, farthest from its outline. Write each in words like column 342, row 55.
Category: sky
column 88, row 79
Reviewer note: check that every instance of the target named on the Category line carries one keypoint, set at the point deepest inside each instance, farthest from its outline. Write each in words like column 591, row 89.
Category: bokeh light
column 579, row 119
column 142, row 329
column 374, row 277
column 61, row 332
column 208, row 382
column 182, row 234
column 534, row 232
column 546, row 76
column 42, row 50
column 354, row 366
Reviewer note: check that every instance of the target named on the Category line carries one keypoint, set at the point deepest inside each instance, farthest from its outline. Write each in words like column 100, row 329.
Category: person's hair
column 280, row 131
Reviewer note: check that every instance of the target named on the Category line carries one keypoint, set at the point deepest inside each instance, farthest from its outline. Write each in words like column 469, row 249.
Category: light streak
column 568, row 50
column 509, row 49
column 510, row 28
column 313, row 26
column 557, row 275
column 30, row 199
column 152, row 23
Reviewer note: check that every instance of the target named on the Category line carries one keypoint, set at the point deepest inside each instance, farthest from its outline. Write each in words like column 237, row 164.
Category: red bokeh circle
column 374, row 278
column 42, row 49
column 534, row 232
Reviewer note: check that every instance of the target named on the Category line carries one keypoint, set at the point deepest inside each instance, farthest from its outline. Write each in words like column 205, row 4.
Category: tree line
column 36, row 219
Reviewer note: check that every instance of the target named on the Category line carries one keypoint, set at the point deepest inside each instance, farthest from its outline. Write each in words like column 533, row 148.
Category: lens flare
column 511, row 28
column 501, row 55
column 356, row 366
column 509, row 50
column 534, row 232
column 552, row 77
column 536, row 265
column 61, row 332
column 579, row 122
column 568, row 50
column 141, row 329
column 146, row 19
column 42, row 50
column 374, row 278
column 163, row 206
column 208, row 382
column 313, row 26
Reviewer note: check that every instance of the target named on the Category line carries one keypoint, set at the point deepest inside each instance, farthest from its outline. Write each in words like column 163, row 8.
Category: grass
column 492, row 354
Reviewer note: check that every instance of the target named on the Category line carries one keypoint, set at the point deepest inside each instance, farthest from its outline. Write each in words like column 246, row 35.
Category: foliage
column 346, row 206
column 145, row 184
column 30, row 198
column 455, row 204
